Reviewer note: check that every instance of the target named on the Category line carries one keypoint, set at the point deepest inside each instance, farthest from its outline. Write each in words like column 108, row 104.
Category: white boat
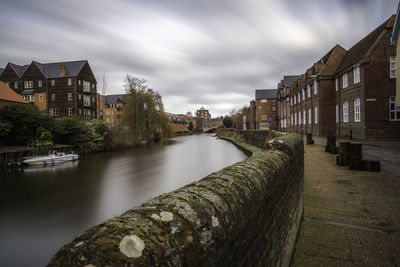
column 52, row 159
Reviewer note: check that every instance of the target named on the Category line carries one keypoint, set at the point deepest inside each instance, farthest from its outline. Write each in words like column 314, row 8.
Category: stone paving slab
column 351, row 218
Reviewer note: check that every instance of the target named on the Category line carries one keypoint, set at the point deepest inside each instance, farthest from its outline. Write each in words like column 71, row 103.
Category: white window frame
column 295, row 98
column 303, row 92
column 86, row 86
column 40, row 98
column 53, row 96
column 304, row 116
column 337, row 113
column 69, row 82
column 16, row 85
column 357, row 110
column 86, row 101
column 295, row 118
column 40, row 83
column 309, row 116
column 356, row 74
column 346, row 111
column 316, row 115
column 393, row 67
column 299, row 117
column 28, row 84
column 264, row 117
column 308, row 91
column 345, row 80
column 392, row 109
column 315, row 87
column 54, row 112
column 69, row 96
column 263, row 100
column 53, row 82
column 69, row 111
column 336, row 84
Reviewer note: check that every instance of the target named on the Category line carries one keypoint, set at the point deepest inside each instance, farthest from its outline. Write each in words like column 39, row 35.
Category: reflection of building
column 9, row 97
column 111, row 108
column 266, row 109
column 62, row 89
column 203, row 119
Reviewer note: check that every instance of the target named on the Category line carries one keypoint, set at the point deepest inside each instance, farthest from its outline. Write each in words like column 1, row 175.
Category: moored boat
column 52, row 159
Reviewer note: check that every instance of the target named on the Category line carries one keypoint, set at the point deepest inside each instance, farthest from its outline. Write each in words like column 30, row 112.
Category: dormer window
column 40, row 83
column 28, row 84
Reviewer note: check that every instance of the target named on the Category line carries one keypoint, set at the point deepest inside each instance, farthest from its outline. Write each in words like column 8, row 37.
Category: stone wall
column 245, row 214
column 252, row 137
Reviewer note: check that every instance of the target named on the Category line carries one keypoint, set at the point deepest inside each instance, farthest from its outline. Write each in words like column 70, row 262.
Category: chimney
column 63, row 69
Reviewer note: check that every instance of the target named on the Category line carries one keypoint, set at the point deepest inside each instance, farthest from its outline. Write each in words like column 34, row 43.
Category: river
column 41, row 209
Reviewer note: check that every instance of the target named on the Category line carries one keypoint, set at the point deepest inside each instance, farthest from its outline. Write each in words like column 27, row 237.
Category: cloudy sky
column 211, row 53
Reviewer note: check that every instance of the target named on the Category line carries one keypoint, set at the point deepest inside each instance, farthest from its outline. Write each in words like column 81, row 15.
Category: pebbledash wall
column 245, row 214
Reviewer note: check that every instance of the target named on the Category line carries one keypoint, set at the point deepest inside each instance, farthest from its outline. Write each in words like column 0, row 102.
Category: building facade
column 203, row 119
column 111, row 109
column 266, row 109
column 61, row 89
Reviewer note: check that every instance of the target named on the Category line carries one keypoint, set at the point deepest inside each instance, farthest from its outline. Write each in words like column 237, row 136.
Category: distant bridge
column 210, row 129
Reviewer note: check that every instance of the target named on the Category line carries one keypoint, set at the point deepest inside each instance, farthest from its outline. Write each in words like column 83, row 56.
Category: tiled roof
column 112, row 99
column 266, row 93
column 360, row 49
column 6, row 93
column 289, row 79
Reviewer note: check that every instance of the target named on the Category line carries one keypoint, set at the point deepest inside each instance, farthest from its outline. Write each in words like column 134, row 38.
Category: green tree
column 227, row 121
column 190, row 127
column 143, row 111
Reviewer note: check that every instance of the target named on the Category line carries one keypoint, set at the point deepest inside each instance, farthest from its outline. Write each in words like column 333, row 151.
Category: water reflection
column 43, row 208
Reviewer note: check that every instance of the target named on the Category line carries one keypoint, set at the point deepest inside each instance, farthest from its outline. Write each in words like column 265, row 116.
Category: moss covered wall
column 245, row 214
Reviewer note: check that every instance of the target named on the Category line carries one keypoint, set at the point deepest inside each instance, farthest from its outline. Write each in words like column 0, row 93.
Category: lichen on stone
column 131, row 246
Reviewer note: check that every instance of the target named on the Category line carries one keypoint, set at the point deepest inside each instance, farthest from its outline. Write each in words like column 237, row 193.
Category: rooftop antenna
column 104, row 83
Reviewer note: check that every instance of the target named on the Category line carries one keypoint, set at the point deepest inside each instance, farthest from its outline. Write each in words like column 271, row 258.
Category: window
column 392, row 67
column 8, row 84
column 291, row 119
column 315, row 115
column 69, row 82
column 303, row 93
column 53, row 96
column 295, row 99
column 337, row 84
column 40, row 84
column 69, row 111
column 264, row 117
column 298, row 96
column 107, row 113
column 54, row 111
column 273, row 108
column 309, row 116
column 93, row 85
column 304, row 117
column 315, row 87
column 53, row 82
column 394, row 115
column 345, row 81
column 259, row 108
column 86, row 86
column 308, row 90
column 69, row 96
column 79, row 82
column 119, row 105
column 28, row 84
column 15, row 85
column 29, row 98
column 86, row 101
column 299, row 117
column 357, row 110
column 346, row 112
column 86, row 111
column 263, row 100
column 295, row 118
column 107, row 120
column 337, row 113
column 80, row 97
column 356, row 74
column 40, row 98
column 291, row 101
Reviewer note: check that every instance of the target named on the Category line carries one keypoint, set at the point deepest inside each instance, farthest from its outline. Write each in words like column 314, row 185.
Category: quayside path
column 351, row 218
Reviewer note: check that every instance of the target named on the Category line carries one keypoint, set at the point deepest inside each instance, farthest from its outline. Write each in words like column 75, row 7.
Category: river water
column 42, row 209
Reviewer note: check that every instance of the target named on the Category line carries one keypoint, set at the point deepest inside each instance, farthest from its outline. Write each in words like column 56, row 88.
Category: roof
column 8, row 94
column 52, row 70
column 266, row 93
column 395, row 32
column 289, row 79
column 112, row 99
column 360, row 49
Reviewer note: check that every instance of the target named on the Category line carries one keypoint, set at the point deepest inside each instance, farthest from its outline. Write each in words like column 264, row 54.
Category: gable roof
column 72, row 67
column 289, row 79
column 8, row 94
column 266, row 93
column 19, row 70
column 360, row 49
column 112, row 99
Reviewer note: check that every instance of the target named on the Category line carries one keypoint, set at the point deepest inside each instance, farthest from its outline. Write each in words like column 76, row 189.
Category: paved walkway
column 351, row 218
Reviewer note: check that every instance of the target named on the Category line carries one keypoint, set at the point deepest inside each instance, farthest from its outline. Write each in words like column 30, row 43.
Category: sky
column 210, row 53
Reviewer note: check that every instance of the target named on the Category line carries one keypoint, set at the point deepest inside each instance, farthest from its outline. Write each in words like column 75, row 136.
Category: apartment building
column 203, row 119
column 111, row 108
column 266, row 109
column 61, row 89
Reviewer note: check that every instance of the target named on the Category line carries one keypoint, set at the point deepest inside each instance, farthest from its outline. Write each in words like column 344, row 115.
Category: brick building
column 61, row 89
column 266, row 109
column 111, row 110
column 248, row 117
column 203, row 119
column 283, row 100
